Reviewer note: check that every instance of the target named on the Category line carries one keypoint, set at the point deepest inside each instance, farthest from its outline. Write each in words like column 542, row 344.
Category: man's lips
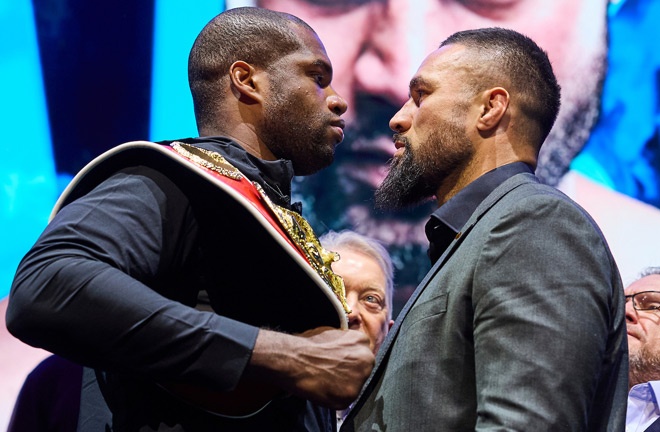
column 400, row 148
column 338, row 127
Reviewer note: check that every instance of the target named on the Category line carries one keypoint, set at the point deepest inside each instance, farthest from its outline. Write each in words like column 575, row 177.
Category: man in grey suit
column 519, row 325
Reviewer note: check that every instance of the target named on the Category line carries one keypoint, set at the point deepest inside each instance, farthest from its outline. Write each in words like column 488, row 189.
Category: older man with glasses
column 643, row 322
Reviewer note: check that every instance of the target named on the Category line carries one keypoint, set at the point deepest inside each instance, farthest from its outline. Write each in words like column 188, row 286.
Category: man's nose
column 336, row 103
column 392, row 52
column 402, row 120
column 631, row 313
column 354, row 318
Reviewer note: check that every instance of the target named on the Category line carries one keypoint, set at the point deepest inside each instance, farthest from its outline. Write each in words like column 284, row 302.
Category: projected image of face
column 375, row 47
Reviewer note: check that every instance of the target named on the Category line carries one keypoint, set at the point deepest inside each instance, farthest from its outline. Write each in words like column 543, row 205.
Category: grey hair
column 365, row 245
column 648, row 271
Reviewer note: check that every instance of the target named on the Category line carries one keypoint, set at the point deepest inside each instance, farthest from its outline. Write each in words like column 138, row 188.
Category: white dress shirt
column 643, row 407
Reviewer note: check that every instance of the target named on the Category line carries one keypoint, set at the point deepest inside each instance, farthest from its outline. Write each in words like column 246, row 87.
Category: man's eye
column 319, row 79
column 647, row 304
column 340, row 3
column 374, row 302
column 491, row 3
column 418, row 95
column 648, row 301
column 495, row 10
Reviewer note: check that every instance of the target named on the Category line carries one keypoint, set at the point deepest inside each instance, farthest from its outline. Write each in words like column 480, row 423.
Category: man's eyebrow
column 417, row 82
column 323, row 65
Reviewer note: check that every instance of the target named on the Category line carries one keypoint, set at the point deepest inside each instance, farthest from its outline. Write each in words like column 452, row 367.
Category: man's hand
column 325, row 365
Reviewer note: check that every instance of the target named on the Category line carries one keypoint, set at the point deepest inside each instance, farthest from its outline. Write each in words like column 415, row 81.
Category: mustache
column 397, row 137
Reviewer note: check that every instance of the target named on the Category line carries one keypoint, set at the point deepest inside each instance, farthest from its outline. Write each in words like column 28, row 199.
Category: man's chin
column 634, row 344
column 308, row 168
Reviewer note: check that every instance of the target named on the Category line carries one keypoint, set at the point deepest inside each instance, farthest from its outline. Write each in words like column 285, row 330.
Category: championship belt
column 286, row 282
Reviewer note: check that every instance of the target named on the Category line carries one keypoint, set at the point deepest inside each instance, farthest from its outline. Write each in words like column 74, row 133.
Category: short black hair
column 523, row 64
column 255, row 35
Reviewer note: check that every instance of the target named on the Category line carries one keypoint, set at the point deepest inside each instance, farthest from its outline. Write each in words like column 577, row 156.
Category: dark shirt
column 275, row 177
column 446, row 222
column 113, row 283
column 49, row 398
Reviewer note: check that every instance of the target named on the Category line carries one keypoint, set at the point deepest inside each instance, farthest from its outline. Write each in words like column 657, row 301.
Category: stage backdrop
column 79, row 77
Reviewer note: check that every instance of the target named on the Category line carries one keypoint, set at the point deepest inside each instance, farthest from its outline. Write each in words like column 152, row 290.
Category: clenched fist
column 325, row 365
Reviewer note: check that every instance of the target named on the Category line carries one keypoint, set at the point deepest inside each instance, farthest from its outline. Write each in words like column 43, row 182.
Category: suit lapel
column 386, row 347
column 655, row 426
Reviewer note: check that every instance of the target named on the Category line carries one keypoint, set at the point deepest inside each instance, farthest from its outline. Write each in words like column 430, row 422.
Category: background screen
column 80, row 77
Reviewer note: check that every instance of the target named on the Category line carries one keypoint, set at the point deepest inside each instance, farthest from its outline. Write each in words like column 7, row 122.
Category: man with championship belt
column 181, row 276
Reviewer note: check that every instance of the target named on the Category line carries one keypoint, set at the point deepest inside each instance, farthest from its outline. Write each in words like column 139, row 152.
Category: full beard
column 404, row 185
column 417, row 174
column 643, row 367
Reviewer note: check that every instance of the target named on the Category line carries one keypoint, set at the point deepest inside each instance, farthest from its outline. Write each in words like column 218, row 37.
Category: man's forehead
column 313, row 54
column 447, row 54
column 647, row 283
column 439, row 61
column 305, row 58
column 310, row 40
column 444, row 57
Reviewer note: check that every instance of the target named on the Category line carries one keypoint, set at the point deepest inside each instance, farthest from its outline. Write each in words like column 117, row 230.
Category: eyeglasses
column 645, row 300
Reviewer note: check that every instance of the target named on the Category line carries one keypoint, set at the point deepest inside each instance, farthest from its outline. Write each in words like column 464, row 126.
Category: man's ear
column 495, row 104
column 245, row 82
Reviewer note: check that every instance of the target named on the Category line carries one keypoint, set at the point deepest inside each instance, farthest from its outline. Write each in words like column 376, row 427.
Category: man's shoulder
column 523, row 192
column 529, row 203
column 527, row 190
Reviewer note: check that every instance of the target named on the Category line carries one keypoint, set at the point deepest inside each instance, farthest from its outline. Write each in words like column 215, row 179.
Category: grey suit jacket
column 519, row 326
